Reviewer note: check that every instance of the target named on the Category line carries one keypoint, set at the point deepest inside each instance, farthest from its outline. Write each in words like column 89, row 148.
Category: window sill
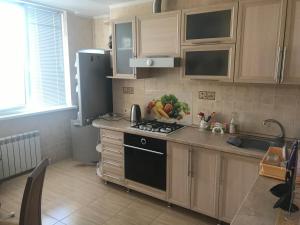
column 27, row 113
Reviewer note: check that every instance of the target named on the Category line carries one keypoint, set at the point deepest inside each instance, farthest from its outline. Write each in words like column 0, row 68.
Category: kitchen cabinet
column 124, row 47
column 112, row 156
column 238, row 174
column 214, row 62
column 210, row 24
column 260, row 36
column 205, row 181
column 159, row 34
column 178, row 174
column 291, row 55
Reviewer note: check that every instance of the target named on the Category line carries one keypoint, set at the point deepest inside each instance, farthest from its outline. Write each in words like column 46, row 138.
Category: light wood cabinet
column 210, row 62
column 124, row 47
column 260, row 36
column 291, row 55
column 159, row 34
column 238, row 174
column 112, row 156
column 178, row 174
column 210, row 24
column 205, row 181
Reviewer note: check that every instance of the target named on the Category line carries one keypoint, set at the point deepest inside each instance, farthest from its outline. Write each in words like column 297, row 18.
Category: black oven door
column 145, row 166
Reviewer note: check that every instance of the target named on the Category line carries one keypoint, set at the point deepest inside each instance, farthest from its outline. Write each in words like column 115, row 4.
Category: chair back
column 31, row 203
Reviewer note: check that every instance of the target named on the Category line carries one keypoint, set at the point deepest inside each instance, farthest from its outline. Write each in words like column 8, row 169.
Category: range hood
column 155, row 62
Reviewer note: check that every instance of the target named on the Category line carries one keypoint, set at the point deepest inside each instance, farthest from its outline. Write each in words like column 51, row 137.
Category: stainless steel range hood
column 154, row 62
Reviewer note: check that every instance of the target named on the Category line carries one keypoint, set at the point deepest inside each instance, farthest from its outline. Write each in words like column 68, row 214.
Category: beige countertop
column 187, row 135
column 257, row 207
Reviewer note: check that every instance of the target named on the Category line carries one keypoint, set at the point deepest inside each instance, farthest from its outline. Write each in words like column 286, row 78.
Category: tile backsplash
column 251, row 103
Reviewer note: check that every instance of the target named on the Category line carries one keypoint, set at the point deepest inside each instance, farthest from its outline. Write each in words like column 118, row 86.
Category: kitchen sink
column 253, row 142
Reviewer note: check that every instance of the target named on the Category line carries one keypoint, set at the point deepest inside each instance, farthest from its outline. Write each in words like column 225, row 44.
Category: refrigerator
column 94, row 92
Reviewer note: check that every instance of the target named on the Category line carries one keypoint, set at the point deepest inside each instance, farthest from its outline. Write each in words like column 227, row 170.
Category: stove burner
column 157, row 126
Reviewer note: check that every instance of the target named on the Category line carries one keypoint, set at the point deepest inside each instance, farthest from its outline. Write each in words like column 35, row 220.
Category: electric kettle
column 135, row 114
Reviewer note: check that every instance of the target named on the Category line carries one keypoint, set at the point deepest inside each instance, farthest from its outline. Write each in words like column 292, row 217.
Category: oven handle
column 143, row 149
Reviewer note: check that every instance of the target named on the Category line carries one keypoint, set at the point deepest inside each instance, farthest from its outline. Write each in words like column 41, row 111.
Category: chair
column 31, row 202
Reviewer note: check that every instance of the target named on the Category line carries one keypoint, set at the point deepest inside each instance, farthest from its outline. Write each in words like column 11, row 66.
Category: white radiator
column 19, row 153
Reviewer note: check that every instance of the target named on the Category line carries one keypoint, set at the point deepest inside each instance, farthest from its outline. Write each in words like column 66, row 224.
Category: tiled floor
column 74, row 195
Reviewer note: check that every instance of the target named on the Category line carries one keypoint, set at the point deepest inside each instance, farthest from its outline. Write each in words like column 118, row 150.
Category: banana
column 163, row 113
column 157, row 114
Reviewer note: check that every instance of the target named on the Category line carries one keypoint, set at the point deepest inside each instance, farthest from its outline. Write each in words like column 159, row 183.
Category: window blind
column 45, row 57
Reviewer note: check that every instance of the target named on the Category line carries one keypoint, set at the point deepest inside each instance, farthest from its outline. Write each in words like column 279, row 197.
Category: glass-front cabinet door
column 215, row 23
column 124, row 48
column 212, row 62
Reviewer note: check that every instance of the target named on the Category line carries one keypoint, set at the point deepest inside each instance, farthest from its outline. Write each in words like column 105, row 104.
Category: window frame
column 25, row 110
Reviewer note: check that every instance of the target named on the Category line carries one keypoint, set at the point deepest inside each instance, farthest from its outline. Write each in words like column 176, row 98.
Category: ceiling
column 91, row 8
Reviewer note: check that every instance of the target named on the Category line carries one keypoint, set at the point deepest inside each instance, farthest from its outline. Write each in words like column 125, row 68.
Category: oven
column 145, row 160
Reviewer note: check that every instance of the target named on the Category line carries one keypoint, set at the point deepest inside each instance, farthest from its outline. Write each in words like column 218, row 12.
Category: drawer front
column 112, row 169
column 113, row 158
column 112, row 148
column 113, row 137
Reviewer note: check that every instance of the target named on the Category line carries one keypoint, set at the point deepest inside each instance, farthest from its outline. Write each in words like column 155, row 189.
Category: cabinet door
column 216, row 23
column 123, row 48
column 158, row 34
column 238, row 176
column 260, row 40
column 205, row 181
column 178, row 185
column 214, row 62
column 291, row 67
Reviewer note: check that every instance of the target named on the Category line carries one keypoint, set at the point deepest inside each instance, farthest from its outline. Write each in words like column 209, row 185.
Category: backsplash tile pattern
column 252, row 103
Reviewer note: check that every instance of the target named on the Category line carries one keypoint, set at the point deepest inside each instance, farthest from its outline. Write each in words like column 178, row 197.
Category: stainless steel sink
column 259, row 143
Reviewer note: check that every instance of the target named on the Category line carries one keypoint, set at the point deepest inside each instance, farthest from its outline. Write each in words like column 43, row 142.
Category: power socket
column 202, row 95
column 128, row 90
column 207, row 95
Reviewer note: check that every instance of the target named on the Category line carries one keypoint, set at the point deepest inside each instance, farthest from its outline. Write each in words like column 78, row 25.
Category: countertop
column 187, row 135
column 257, row 207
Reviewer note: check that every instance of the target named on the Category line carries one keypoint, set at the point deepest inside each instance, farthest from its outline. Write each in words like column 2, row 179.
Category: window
column 32, row 74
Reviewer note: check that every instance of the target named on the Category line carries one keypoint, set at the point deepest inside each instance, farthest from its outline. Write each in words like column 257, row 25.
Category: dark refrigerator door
column 95, row 90
column 145, row 167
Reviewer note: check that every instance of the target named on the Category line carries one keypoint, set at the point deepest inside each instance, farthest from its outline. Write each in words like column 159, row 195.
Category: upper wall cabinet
column 210, row 24
column 213, row 62
column 159, row 34
column 260, row 41
column 291, row 53
column 124, row 47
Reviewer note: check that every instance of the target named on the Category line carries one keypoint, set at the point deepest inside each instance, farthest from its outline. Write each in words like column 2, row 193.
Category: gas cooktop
column 158, row 127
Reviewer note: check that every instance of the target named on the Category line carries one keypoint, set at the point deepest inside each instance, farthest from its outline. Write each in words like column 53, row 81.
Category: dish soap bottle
column 232, row 125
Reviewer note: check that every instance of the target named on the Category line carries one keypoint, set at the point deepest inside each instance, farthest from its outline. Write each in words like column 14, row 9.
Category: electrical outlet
column 202, row 95
column 207, row 95
column 128, row 90
column 211, row 95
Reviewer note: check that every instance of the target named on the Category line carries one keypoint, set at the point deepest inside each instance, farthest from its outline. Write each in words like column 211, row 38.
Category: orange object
column 269, row 169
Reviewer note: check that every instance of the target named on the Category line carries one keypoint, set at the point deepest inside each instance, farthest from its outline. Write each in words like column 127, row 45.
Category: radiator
column 19, row 153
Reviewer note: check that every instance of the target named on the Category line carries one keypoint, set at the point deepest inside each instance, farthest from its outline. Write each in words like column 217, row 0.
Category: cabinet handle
column 278, row 63
column 283, row 64
column 190, row 164
column 113, row 177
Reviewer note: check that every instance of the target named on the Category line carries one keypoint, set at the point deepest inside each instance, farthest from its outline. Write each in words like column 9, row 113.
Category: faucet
column 281, row 137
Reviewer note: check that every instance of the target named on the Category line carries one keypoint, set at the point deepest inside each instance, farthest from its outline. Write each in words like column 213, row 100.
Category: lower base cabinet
column 205, row 181
column 238, row 174
column 178, row 174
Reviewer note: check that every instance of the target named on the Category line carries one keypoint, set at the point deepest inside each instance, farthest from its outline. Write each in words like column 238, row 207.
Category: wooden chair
column 31, row 202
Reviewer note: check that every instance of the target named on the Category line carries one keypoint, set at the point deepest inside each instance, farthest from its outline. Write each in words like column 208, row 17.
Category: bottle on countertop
column 232, row 125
